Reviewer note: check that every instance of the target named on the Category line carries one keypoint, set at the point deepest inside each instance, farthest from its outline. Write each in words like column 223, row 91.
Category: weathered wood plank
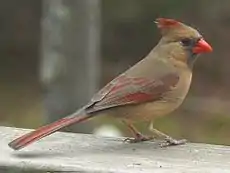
column 88, row 153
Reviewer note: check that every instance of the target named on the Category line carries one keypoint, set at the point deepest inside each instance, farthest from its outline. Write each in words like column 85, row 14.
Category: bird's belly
column 150, row 110
column 145, row 111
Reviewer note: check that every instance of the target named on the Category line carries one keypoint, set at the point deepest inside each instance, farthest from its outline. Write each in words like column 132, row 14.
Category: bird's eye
column 187, row 42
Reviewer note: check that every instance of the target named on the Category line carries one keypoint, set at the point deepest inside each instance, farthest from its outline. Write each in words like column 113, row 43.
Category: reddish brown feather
column 45, row 131
column 166, row 23
column 119, row 86
column 125, row 81
column 128, row 90
column 141, row 97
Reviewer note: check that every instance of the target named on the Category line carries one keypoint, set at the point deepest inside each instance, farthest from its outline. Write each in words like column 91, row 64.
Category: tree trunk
column 69, row 61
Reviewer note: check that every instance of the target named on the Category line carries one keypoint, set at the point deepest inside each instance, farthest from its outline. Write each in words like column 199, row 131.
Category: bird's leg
column 169, row 140
column 138, row 136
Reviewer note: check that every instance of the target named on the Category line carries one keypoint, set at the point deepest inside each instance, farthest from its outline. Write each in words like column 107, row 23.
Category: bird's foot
column 170, row 142
column 139, row 138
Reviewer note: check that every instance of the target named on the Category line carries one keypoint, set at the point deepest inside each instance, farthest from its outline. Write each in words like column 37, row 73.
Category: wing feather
column 125, row 90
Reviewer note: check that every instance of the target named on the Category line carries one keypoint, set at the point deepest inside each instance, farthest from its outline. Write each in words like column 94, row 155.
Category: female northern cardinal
column 155, row 86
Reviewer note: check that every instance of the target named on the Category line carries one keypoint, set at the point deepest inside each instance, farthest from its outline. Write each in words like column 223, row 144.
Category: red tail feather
column 33, row 136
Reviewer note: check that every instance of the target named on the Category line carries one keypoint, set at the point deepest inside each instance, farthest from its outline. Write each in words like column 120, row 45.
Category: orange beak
column 202, row 47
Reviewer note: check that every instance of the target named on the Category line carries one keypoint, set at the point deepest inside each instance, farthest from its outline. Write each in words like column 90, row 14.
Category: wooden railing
column 68, row 152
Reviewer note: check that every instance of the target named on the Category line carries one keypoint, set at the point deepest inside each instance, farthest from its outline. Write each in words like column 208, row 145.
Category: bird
column 153, row 87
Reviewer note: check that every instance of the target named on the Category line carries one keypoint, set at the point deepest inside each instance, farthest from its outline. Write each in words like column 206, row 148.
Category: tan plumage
column 153, row 87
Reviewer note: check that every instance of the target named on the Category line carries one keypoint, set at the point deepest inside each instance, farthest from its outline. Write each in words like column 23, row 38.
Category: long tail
column 44, row 131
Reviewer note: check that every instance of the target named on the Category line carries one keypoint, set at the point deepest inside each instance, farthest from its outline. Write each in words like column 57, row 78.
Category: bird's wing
column 125, row 90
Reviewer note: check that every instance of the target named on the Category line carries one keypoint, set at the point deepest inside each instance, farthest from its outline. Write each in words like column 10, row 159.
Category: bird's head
column 182, row 42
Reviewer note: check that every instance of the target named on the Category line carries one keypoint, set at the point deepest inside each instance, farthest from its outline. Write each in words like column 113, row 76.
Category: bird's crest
column 164, row 23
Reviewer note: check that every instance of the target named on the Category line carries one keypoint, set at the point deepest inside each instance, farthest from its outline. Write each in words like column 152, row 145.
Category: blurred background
column 54, row 54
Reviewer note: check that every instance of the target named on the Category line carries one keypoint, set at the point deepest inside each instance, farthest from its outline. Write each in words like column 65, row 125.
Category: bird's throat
column 191, row 60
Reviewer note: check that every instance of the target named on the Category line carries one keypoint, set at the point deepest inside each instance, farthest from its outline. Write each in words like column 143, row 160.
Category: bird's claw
column 171, row 142
column 139, row 139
